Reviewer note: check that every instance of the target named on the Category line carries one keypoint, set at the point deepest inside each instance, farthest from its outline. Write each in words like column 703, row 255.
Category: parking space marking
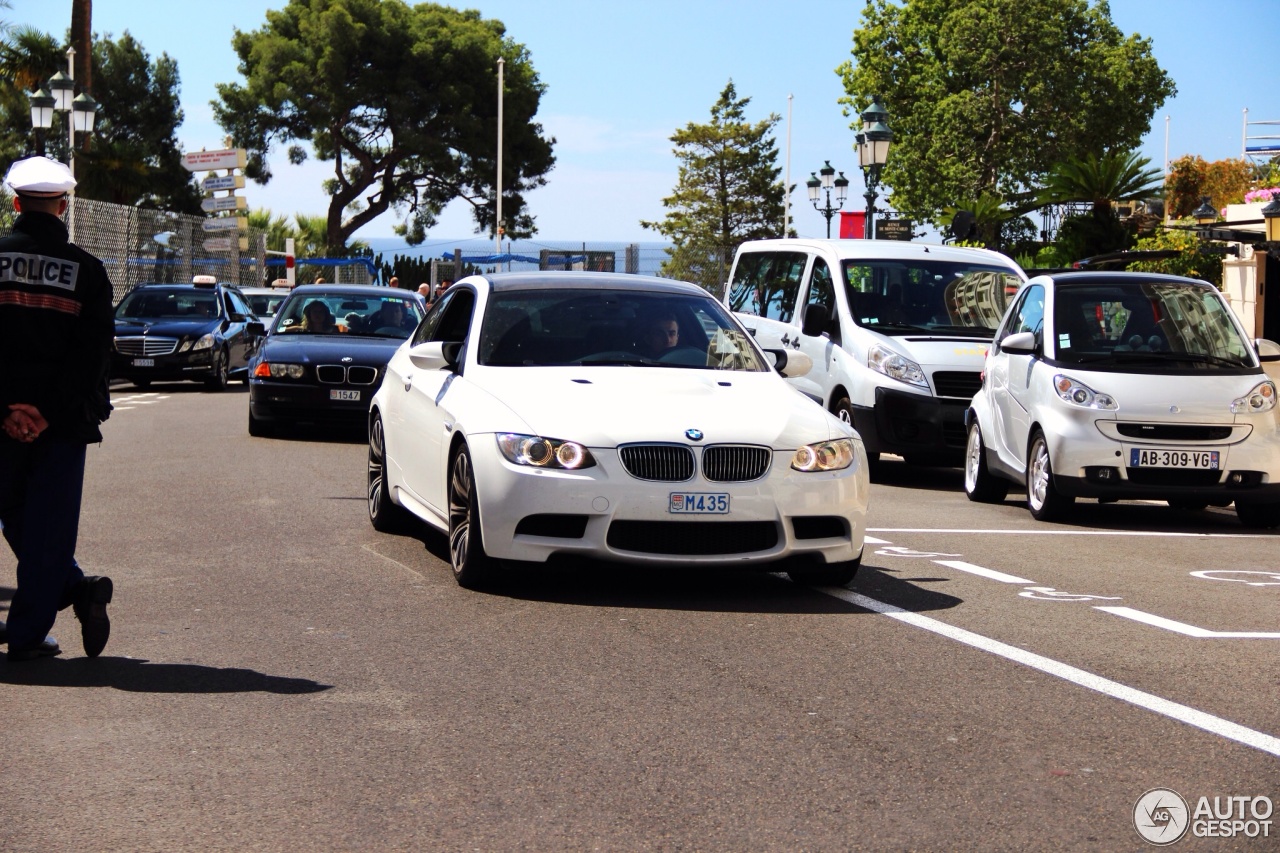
column 982, row 572
column 126, row 402
column 1185, row 629
column 1173, row 710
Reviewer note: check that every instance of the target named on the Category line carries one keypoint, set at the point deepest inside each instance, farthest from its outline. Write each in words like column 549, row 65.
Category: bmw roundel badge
column 693, row 434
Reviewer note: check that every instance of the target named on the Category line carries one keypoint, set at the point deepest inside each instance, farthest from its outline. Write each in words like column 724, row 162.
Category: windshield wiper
column 1132, row 356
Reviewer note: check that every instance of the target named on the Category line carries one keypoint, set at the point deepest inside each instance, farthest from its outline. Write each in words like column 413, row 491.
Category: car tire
column 217, row 380
column 843, row 410
column 384, row 514
column 829, row 574
column 141, row 384
column 472, row 567
column 1258, row 516
column 1043, row 498
column 260, row 428
column 980, row 484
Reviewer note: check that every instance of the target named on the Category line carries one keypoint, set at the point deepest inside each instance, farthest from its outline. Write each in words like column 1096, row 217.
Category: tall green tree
column 401, row 100
column 727, row 191
column 985, row 96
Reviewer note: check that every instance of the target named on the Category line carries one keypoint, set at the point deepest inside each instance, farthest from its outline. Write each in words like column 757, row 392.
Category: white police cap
column 40, row 176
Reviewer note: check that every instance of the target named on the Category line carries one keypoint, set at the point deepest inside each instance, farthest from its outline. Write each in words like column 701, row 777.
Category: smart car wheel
column 384, row 514
column 829, row 574
column 1258, row 515
column 1043, row 498
column 979, row 483
column 472, row 567
column 217, row 380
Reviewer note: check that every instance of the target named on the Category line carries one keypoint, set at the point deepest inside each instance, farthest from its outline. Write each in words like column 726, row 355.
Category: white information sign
column 224, row 158
column 226, row 223
column 223, row 244
column 230, row 202
column 213, row 183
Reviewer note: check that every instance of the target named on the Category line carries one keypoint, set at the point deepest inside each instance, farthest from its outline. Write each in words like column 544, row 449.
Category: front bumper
column 193, row 364
column 604, row 513
column 913, row 425
column 303, row 402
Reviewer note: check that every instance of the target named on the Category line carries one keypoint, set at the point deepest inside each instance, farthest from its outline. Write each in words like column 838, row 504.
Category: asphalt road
column 282, row 677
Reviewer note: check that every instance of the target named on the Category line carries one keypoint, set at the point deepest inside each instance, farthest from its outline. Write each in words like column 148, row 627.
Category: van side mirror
column 814, row 320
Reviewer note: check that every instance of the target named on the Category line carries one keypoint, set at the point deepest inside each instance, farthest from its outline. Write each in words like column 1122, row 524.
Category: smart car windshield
column 159, row 303
column 369, row 315
column 1147, row 323
column 938, row 296
column 612, row 327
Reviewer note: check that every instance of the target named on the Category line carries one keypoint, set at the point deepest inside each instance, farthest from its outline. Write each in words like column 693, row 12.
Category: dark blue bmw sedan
column 325, row 354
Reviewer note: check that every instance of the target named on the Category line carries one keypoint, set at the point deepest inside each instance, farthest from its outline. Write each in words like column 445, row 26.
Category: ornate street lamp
column 826, row 183
column 1271, row 216
column 1205, row 214
column 80, row 109
column 873, row 152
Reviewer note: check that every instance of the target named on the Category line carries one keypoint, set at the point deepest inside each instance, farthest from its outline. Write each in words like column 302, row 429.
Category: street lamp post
column 873, row 153
column 80, row 109
column 827, row 182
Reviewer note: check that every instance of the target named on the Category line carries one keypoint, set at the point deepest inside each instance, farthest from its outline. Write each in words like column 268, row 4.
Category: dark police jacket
column 56, row 328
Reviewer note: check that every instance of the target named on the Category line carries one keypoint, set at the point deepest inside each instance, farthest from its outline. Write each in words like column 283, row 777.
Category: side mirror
column 790, row 363
column 1021, row 343
column 255, row 329
column 815, row 319
column 1268, row 350
column 436, row 355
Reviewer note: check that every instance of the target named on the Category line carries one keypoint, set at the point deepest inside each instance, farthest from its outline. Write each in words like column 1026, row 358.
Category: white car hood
column 606, row 406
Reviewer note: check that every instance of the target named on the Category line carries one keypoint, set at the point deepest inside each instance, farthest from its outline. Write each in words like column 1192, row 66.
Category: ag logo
column 1161, row 816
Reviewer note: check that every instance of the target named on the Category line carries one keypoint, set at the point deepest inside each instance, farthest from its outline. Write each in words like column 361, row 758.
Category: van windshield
column 940, row 297
column 1148, row 323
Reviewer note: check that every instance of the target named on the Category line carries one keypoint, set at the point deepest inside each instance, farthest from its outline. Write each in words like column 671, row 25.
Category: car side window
column 238, row 305
column 767, row 283
column 822, row 292
column 1026, row 315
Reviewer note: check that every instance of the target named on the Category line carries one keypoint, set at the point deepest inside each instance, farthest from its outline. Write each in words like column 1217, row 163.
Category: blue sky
column 621, row 76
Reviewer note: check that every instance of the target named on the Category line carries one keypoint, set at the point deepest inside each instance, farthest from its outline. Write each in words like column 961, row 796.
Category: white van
column 897, row 331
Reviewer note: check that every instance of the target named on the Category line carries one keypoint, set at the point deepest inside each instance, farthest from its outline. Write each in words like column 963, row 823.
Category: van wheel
column 979, row 483
column 1043, row 498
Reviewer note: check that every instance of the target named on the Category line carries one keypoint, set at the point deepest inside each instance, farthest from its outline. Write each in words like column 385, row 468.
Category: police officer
column 55, row 347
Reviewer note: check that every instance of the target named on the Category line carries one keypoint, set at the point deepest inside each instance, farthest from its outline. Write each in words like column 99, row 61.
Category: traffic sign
column 213, row 183
column 223, row 244
column 226, row 223
column 223, row 158
column 230, row 202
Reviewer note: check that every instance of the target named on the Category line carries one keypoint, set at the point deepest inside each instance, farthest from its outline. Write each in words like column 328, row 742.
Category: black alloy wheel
column 217, row 380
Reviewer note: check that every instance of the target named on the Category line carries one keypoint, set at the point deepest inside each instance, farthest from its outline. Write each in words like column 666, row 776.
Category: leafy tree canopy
column 986, row 95
column 727, row 191
column 1191, row 178
column 402, row 100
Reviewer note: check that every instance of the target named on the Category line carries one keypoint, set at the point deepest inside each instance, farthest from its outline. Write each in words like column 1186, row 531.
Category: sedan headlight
column 1261, row 399
column 538, row 452
column 1079, row 394
column 895, row 366
column 824, row 456
column 276, row 370
column 205, row 342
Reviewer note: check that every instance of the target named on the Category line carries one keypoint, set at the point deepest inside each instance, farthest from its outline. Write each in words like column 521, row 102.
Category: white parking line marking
column 1188, row 630
column 871, row 540
column 1182, row 713
column 982, row 572
column 1033, row 532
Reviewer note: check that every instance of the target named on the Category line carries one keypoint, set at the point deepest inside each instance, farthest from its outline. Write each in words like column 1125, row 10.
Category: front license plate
column 698, row 503
column 1170, row 458
column 339, row 394
column 144, row 362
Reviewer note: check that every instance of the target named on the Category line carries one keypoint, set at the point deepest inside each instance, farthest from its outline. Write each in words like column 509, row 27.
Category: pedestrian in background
column 56, row 328
column 393, row 282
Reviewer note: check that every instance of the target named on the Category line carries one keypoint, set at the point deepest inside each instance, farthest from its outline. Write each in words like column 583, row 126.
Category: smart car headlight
column 895, row 366
column 824, row 456
column 205, row 342
column 276, row 370
column 1261, row 399
column 538, row 452
column 1079, row 394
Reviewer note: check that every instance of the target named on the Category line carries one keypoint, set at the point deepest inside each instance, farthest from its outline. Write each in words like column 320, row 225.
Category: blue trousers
column 40, row 488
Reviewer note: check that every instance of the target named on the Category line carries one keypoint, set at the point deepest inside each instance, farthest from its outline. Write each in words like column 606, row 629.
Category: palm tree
column 1100, row 181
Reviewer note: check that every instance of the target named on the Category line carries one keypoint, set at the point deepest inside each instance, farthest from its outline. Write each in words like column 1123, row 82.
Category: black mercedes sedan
column 326, row 352
column 199, row 331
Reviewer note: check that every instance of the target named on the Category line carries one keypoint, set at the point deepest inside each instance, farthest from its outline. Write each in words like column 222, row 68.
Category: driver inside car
column 659, row 334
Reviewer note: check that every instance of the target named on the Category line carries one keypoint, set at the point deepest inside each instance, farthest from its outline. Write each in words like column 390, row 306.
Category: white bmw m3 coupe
column 533, row 416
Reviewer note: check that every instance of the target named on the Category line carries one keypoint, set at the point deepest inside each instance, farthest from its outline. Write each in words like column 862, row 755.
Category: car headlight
column 538, row 452
column 1261, row 399
column 895, row 366
column 276, row 370
column 1079, row 394
column 205, row 342
column 824, row 456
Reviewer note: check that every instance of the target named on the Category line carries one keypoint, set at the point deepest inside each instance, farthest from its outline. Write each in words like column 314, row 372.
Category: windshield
column 1148, row 323
column 612, row 327
column 160, row 303
column 905, row 296
column 368, row 315
column 265, row 304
